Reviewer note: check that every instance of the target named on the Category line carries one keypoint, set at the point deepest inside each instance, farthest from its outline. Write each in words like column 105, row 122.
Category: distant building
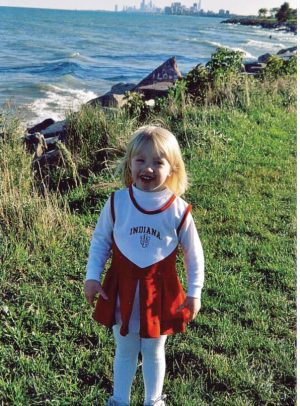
column 144, row 7
column 176, row 8
column 116, row 8
column 224, row 13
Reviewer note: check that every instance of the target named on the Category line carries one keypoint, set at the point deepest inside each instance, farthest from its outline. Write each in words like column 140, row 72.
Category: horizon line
column 107, row 11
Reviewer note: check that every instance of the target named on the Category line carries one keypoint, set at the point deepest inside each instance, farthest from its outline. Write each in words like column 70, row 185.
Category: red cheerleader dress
column 144, row 249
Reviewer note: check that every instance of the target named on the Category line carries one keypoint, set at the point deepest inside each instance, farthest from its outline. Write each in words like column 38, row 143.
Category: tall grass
column 96, row 137
column 24, row 213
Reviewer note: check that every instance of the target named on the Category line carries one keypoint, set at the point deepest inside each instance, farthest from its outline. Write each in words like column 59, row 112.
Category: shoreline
column 264, row 23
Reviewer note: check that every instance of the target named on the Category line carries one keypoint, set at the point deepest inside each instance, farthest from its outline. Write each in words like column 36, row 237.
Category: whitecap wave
column 264, row 44
column 57, row 101
column 246, row 54
column 214, row 44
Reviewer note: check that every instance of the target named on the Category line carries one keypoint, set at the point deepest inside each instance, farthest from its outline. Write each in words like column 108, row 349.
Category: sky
column 243, row 7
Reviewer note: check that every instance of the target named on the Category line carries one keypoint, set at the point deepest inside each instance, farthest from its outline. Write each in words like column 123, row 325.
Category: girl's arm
column 194, row 262
column 98, row 254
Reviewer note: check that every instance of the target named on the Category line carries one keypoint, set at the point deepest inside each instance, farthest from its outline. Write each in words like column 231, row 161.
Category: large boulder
column 167, row 72
column 264, row 58
column 36, row 143
column 43, row 141
column 115, row 98
column 291, row 50
column 158, row 82
column 254, row 68
column 57, row 129
column 122, row 88
column 109, row 99
column 284, row 54
column 41, row 126
column 159, row 89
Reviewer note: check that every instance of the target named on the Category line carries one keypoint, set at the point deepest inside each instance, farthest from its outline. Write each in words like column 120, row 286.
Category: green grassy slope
column 239, row 350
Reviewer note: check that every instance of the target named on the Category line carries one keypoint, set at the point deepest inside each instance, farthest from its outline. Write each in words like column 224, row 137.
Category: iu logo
column 144, row 240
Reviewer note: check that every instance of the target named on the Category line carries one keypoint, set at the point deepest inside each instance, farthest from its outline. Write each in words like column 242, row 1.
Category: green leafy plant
column 224, row 61
column 219, row 80
column 136, row 106
column 277, row 67
column 290, row 66
column 197, row 82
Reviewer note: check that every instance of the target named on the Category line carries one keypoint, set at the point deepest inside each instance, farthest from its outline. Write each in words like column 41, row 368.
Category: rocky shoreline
column 42, row 138
column 269, row 24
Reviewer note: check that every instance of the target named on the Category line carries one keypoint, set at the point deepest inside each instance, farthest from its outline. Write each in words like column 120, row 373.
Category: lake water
column 54, row 60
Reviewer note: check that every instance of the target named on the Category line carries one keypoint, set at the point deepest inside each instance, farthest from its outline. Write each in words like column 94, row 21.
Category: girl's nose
column 149, row 168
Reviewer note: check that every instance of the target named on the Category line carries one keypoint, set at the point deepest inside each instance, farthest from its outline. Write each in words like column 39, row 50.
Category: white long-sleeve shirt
column 100, row 248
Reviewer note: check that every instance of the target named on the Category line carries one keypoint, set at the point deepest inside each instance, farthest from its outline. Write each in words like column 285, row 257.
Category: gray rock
column 122, row 88
column 254, row 68
column 114, row 98
column 49, row 158
column 43, row 142
column 110, row 100
column 155, row 90
column 291, row 50
column 41, row 126
column 156, row 84
column 264, row 58
column 167, row 72
column 286, row 56
column 36, row 143
column 58, row 129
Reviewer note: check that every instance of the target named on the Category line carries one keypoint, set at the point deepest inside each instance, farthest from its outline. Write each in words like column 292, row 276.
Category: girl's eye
column 140, row 160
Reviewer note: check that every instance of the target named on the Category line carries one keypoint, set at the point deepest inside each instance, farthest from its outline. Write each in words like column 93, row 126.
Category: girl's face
column 149, row 170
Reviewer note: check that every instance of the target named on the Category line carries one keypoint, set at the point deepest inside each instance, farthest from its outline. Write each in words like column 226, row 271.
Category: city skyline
column 242, row 7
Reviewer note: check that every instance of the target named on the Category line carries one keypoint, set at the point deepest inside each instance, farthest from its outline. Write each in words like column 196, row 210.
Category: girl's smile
column 149, row 171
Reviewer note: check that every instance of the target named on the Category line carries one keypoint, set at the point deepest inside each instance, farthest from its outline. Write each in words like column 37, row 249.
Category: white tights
column 125, row 364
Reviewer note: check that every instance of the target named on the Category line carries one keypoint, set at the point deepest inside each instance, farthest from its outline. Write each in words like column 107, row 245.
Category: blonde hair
column 163, row 142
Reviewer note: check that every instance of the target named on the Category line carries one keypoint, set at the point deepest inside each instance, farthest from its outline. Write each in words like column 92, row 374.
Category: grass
column 241, row 348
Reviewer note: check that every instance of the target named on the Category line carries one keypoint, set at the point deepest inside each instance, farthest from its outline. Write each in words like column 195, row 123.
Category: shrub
column 136, row 106
column 276, row 67
column 217, row 82
column 197, row 82
column 223, row 62
column 290, row 66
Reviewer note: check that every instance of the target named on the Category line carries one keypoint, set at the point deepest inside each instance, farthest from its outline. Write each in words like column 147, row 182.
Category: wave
column 264, row 45
column 213, row 43
column 56, row 101
column 246, row 54
column 133, row 57
column 74, row 54
column 48, row 68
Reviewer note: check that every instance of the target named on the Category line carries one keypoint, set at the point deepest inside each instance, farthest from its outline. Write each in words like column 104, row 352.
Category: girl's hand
column 193, row 305
column 91, row 289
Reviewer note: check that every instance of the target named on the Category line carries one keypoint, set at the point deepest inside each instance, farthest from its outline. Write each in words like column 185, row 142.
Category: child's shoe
column 158, row 402
column 112, row 402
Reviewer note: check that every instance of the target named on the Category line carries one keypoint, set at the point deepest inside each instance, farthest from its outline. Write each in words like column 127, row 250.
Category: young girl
column 141, row 297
